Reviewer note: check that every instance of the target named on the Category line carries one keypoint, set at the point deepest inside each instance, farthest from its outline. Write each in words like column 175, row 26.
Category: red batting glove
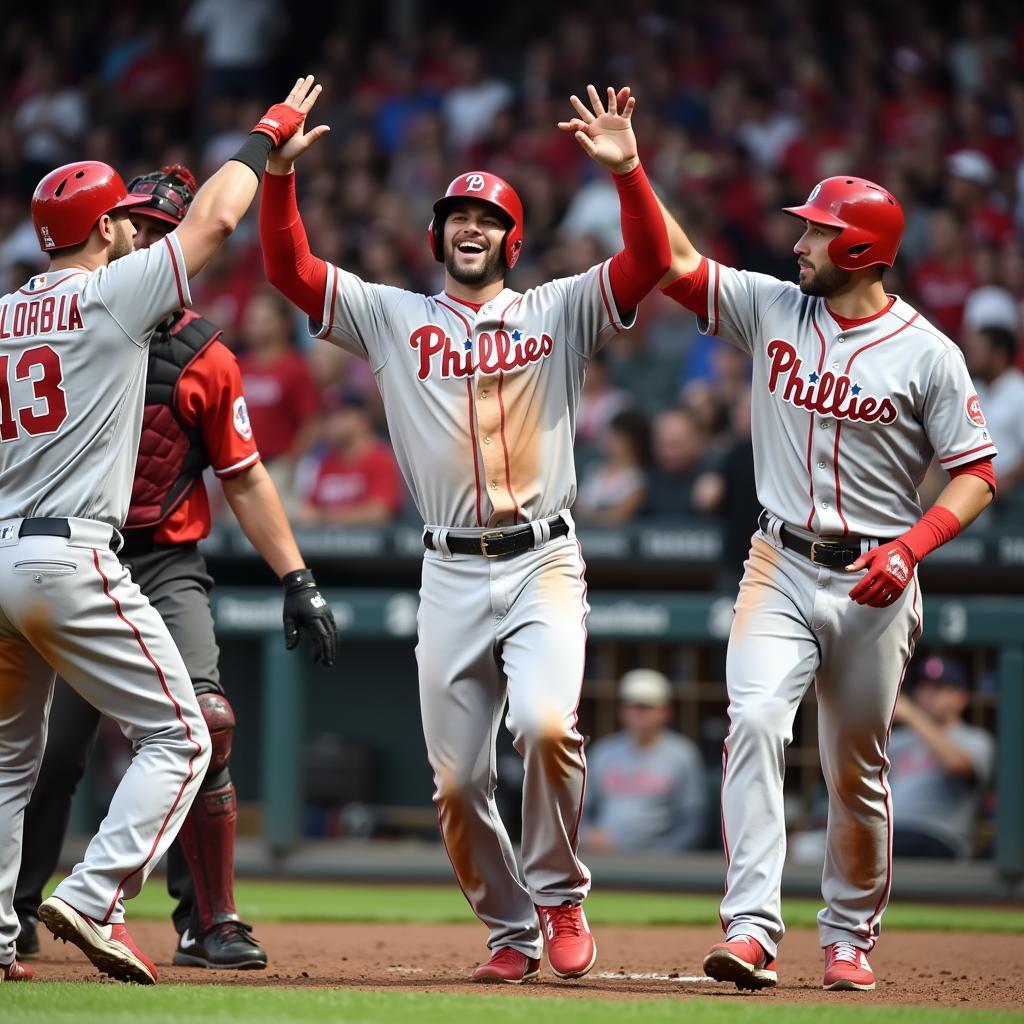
column 280, row 122
column 890, row 567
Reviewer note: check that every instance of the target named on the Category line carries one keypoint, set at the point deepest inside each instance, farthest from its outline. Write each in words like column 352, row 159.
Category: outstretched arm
column 606, row 136
column 224, row 198
column 289, row 264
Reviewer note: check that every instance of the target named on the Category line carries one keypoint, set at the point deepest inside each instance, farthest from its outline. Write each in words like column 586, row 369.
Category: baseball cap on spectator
column 940, row 671
column 971, row 165
column 991, row 306
column 645, row 686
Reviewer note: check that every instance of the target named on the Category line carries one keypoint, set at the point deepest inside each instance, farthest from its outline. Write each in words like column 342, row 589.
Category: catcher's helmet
column 167, row 193
column 869, row 218
column 488, row 188
column 68, row 201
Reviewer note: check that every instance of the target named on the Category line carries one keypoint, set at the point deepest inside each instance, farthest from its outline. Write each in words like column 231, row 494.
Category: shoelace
column 565, row 920
column 846, row 951
column 236, row 928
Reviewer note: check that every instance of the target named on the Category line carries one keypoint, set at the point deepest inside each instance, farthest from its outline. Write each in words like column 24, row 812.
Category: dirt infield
column 913, row 968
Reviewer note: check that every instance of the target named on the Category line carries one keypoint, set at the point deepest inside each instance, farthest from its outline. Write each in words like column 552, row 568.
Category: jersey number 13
column 49, row 409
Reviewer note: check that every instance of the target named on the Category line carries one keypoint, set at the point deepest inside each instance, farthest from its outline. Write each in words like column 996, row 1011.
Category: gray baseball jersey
column 481, row 405
column 72, row 371
column 845, row 421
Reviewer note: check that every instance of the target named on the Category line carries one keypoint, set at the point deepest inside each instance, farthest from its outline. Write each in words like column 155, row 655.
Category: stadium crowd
column 742, row 107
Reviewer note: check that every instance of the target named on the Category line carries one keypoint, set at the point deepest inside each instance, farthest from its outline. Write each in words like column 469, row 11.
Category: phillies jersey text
column 845, row 421
column 481, row 403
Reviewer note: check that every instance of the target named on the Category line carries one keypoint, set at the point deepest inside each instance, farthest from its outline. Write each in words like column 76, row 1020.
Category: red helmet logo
column 488, row 188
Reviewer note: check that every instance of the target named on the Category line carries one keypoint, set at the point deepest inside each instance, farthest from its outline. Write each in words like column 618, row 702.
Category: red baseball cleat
column 108, row 946
column 743, row 961
column 507, row 965
column 15, row 971
column 570, row 944
column 847, row 969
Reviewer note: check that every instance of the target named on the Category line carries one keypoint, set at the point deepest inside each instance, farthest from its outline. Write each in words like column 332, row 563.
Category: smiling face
column 818, row 274
column 474, row 234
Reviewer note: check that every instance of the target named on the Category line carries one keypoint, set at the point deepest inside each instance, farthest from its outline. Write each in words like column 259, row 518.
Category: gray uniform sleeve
column 737, row 303
column 356, row 316
column 952, row 415
column 145, row 287
column 589, row 311
column 978, row 746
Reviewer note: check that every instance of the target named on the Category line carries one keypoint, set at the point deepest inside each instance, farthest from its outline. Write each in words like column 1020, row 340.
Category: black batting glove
column 305, row 608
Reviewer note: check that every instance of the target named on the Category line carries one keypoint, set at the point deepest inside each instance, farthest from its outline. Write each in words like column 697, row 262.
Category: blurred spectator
column 238, row 39
column 991, row 354
column 679, row 443
column 727, row 492
column 614, row 489
column 355, row 479
column 470, row 105
column 941, row 766
column 646, row 788
column 50, row 120
column 971, row 179
column 279, row 389
column 944, row 278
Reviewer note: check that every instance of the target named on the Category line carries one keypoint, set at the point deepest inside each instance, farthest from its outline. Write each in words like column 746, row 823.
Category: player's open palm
column 604, row 130
column 301, row 99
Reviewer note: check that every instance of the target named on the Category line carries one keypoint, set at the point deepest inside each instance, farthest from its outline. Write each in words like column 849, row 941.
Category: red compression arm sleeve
column 937, row 526
column 646, row 255
column 983, row 469
column 290, row 266
column 691, row 290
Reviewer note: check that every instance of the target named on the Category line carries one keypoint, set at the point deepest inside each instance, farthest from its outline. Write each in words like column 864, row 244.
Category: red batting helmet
column 168, row 193
column 68, row 201
column 869, row 218
column 488, row 188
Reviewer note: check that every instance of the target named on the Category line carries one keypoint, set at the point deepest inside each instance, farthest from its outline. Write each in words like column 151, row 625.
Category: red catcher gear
column 869, row 218
column 68, row 201
column 488, row 188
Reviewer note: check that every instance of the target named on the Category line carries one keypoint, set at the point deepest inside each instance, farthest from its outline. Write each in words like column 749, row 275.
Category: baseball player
column 194, row 416
column 73, row 357
column 853, row 394
column 481, row 385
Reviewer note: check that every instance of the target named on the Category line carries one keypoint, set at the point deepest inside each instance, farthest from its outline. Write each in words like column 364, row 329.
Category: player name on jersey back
column 44, row 314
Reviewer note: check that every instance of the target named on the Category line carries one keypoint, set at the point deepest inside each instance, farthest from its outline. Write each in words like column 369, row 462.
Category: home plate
column 648, row 976
column 399, row 969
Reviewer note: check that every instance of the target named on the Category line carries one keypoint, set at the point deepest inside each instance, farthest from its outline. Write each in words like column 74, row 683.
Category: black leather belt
column 47, row 526
column 833, row 554
column 497, row 543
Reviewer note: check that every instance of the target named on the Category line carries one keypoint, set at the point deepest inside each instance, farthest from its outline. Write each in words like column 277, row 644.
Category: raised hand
column 605, row 133
column 300, row 100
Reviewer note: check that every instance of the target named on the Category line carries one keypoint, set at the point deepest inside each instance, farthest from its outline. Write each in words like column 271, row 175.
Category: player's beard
column 826, row 282
column 122, row 243
column 491, row 270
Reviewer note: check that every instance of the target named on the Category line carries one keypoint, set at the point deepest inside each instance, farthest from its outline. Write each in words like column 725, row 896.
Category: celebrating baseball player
column 481, row 385
column 73, row 358
column 194, row 416
column 854, row 392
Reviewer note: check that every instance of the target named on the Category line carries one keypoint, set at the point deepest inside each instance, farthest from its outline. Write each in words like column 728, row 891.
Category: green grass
column 322, row 901
column 173, row 1004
